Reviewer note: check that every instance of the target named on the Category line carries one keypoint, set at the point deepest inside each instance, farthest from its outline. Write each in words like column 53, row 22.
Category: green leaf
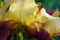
column 56, row 38
column 59, row 15
column 1, row 0
column 8, row 8
column 21, row 35
column 1, row 3
column 16, row 37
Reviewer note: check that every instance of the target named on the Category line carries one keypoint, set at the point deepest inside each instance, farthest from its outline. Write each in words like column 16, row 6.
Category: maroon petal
column 40, row 5
column 4, row 31
column 43, row 35
column 50, row 11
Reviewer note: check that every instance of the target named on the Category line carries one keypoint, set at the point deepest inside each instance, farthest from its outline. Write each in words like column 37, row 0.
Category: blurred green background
column 50, row 4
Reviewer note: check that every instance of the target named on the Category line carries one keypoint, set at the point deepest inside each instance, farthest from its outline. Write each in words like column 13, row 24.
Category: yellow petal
column 53, row 26
column 20, row 13
column 27, row 4
column 45, row 17
column 56, row 14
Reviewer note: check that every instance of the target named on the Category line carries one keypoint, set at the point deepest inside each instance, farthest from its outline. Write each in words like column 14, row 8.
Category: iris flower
column 22, row 14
